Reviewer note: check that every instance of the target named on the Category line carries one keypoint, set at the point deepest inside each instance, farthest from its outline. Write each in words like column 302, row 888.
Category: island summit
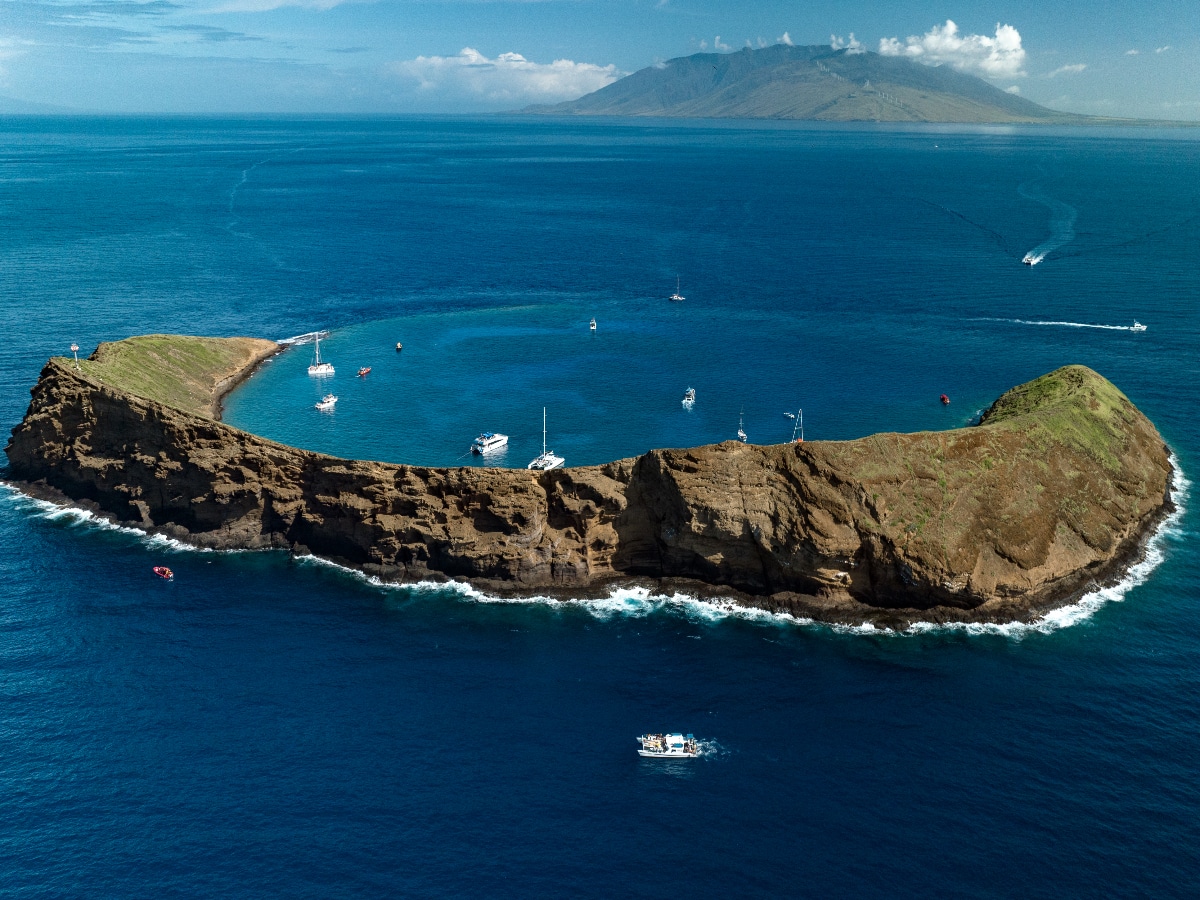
column 1054, row 492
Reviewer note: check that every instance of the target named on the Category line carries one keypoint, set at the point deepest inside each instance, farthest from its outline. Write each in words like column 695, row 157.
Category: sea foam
column 641, row 602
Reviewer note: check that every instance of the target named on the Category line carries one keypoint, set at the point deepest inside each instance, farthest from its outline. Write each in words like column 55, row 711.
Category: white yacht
column 327, row 402
column 742, row 428
column 676, row 296
column 488, row 442
column 669, row 746
column 318, row 367
column 547, row 460
column 689, row 397
column 592, row 325
column 1137, row 326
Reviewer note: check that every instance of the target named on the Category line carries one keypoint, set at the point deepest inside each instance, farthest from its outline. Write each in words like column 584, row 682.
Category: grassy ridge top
column 1074, row 406
column 187, row 373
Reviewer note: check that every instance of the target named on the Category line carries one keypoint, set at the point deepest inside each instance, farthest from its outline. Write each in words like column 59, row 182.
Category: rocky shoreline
column 1054, row 493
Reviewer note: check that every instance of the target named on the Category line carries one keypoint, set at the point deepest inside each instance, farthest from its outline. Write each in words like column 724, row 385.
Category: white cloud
column 1001, row 56
column 1162, row 49
column 508, row 78
column 1013, row 89
column 717, row 45
column 851, row 46
column 1072, row 69
column 1132, row 52
column 785, row 38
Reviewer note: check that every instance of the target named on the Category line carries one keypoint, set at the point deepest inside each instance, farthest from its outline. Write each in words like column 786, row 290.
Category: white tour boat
column 669, row 746
column 318, row 367
column 547, row 460
column 689, row 397
column 1137, row 326
column 592, row 325
column 676, row 296
column 327, row 402
column 489, row 441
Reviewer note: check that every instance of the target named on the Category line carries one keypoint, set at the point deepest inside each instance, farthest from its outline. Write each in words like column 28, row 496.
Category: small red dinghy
column 164, row 573
column 945, row 399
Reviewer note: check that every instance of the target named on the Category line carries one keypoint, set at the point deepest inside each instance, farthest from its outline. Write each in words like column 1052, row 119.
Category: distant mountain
column 784, row 82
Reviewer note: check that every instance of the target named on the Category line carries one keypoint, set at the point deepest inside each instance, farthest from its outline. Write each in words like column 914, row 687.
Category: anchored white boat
column 488, row 442
column 689, row 397
column 676, row 296
column 669, row 746
column 318, row 367
column 327, row 402
column 592, row 325
column 742, row 428
column 547, row 460
column 1137, row 326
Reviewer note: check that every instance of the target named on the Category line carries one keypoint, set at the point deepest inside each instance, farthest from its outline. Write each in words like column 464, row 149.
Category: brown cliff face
column 1057, row 489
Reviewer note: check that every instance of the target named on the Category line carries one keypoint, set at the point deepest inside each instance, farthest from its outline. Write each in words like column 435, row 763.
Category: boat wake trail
column 1062, row 222
column 1134, row 327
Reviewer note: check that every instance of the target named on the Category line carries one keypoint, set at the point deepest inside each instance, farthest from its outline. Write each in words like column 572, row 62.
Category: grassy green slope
column 178, row 370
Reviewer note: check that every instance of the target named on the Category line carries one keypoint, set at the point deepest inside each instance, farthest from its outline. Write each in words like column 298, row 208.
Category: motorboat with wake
column 689, row 398
column 319, row 367
column 489, row 442
column 327, row 402
column 547, row 460
column 669, row 746
column 1137, row 326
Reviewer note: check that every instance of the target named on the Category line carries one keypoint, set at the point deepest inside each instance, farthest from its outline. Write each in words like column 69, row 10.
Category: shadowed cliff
column 1054, row 490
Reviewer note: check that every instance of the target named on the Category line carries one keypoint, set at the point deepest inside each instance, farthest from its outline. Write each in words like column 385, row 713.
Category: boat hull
column 650, row 754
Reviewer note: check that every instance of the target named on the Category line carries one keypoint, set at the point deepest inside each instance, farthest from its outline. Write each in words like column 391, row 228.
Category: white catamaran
column 676, row 296
column 547, row 460
column 318, row 367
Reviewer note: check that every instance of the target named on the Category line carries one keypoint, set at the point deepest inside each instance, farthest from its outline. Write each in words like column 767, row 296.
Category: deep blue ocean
column 268, row 726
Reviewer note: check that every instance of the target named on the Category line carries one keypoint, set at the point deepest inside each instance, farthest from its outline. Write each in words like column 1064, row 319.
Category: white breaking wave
column 1062, row 222
column 640, row 602
column 1058, row 324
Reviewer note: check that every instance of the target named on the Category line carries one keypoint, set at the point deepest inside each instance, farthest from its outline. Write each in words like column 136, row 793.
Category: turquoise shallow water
column 275, row 726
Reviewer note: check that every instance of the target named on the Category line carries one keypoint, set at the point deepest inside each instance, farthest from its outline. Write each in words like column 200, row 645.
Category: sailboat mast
column 543, row 431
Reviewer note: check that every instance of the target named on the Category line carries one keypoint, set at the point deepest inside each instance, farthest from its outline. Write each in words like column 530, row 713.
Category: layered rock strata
column 1054, row 491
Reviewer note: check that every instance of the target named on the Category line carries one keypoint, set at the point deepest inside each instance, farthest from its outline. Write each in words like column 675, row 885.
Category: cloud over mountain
column 1001, row 56
column 507, row 78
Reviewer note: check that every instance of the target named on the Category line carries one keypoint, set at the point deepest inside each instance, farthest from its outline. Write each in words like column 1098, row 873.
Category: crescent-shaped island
column 1054, row 492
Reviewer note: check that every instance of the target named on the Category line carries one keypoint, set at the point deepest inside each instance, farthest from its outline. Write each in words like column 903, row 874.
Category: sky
column 455, row 56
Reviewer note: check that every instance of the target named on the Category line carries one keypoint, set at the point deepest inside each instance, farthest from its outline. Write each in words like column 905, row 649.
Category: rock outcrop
column 1055, row 490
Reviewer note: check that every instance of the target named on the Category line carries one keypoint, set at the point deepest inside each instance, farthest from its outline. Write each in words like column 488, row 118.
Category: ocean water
column 267, row 726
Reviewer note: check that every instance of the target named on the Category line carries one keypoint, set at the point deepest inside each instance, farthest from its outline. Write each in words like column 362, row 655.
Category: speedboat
column 1137, row 326
column 669, row 746
column 592, row 325
column 327, row 402
column 364, row 371
column 945, row 400
column 164, row 573
column 689, row 397
column 547, row 460
column 318, row 367
column 399, row 346
column 1031, row 260
column 676, row 297
column 489, row 441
